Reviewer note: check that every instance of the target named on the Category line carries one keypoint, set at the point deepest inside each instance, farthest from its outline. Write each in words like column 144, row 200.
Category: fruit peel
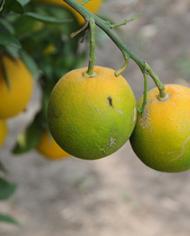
column 91, row 118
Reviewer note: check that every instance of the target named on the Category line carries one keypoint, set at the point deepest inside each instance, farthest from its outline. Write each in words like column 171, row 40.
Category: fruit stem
column 92, row 56
column 144, row 93
column 82, row 29
column 123, row 68
column 144, row 67
column 159, row 84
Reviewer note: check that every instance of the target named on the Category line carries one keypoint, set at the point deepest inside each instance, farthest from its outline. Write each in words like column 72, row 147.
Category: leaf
column 47, row 19
column 23, row 2
column 29, row 139
column 30, row 63
column 6, row 189
column 12, row 51
column 13, row 5
column 2, row 3
column 8, row 39
column 6, row 25
column 4, row 73
column 8, row 219
column 2, row 168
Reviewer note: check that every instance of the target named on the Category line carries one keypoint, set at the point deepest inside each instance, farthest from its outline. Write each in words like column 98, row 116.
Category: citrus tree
column 87, row 112
column 35, row 48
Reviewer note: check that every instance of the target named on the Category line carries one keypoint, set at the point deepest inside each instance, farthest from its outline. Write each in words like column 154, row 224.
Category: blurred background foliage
column 38, row 34
column 84, row 203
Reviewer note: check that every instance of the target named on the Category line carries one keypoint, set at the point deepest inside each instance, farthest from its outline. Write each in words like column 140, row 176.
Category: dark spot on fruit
column 110, row 101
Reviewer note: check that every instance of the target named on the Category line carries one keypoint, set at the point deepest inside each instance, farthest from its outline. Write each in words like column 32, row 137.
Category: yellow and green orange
column 3, row 131
column 16, row 95
column 50, row 149
column 161, row 138
column 91, row 118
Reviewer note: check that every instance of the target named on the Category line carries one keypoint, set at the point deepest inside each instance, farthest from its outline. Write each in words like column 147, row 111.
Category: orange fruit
column 161, row 138
column 91, row 118
column 50, row 149
column 3, row 131
column 92, row 5
column 15, row 97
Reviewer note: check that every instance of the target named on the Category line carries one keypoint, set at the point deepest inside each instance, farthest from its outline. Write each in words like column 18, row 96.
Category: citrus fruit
column 92, row 5
column 15, row 97
column 50, row 149
column 161, row 138
column 91, row 118
column 3, row 131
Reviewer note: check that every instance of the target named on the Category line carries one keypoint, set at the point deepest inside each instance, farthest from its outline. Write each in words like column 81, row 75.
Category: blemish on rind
column 182, row 151
column 110, row 101
column 112, row 142
column 119, row 111
column 145, row 119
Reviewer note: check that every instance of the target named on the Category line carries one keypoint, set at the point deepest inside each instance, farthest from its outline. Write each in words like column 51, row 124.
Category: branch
column 144, row 67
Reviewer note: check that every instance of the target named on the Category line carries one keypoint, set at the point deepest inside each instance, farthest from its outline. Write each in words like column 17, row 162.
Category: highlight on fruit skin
column 16, row 95
column 92, row 5
column 161, row 138
column 3, row 131
column 50, row 149
column 91, row 118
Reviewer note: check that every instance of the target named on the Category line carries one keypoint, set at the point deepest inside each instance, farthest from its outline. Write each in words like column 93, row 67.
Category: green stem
column 144, row 93
column 119, row 43
column 82, row 29
column 92, row 57
column 123, row 68
column 125, row 22
column 158, row 83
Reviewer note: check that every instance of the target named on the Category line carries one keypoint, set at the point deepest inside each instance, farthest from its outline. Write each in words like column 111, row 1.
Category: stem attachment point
column 159, row 84
column 92, row 56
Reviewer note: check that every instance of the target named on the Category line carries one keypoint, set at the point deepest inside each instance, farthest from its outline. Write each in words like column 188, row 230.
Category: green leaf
column 4, row 73
column 8, row 219
column 12, row 51
column 29, row 139
column 2, row 3
column 13, row 5
column 6, row 25
column 23, row 2
column 30, row 63
column 2, row 168
column 47, row 19
column 6, row 189
column 8, row 39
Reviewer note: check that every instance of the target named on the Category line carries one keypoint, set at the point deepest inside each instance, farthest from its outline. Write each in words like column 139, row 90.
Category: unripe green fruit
column 91, row 118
